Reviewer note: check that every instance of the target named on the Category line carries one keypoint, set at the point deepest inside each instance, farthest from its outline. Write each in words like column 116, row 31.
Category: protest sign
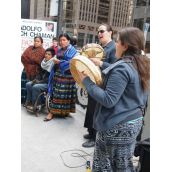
column 31, row 28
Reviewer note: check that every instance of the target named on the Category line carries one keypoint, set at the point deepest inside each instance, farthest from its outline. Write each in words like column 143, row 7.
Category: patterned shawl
column 64, row 64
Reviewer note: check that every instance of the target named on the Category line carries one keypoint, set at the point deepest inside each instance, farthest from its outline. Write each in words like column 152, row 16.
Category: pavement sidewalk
column 48, row 146
column 43, row 142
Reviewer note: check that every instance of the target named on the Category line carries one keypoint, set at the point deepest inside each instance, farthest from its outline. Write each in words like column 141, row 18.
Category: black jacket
column 42, row 77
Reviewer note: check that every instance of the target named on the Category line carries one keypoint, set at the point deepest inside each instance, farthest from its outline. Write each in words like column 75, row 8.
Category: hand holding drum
column 87, row 64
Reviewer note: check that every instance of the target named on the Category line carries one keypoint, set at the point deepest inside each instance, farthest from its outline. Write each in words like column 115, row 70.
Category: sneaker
column 89, row 144
column 87, row 136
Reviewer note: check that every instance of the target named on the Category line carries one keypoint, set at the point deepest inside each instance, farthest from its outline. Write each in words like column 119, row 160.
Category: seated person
column 40, row 83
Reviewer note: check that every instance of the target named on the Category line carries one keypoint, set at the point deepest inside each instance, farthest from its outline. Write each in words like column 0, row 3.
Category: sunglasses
column 101, row 31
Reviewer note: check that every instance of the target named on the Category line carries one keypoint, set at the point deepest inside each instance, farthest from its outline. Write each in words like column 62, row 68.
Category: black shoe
column 89, row 144
column 87, row 136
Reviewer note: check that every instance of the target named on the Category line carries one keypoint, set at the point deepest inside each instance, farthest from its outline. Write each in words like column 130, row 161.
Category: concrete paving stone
column 44, row 142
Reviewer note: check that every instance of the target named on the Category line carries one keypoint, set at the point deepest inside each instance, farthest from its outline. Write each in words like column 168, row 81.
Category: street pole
column 59, row 18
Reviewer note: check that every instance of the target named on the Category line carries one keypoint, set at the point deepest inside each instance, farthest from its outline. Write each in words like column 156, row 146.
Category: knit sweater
column 31, row 60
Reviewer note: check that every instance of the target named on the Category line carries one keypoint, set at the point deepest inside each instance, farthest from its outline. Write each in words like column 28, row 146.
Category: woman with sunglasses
column 121, row 101
column 105, row 35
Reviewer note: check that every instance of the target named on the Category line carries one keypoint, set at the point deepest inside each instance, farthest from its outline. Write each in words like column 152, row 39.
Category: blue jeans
column 34, row 91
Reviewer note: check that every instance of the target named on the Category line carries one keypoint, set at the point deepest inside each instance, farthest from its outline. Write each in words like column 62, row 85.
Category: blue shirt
column 110, row 50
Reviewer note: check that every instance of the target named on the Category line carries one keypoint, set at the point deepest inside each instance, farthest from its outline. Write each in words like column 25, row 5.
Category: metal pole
column 59, row 17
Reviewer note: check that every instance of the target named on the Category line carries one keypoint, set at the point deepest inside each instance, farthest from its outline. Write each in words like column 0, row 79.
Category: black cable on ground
column 76, row 155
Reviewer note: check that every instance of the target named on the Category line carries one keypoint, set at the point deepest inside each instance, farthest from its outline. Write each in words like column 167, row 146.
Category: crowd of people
column 115, row 110
column 48, row 70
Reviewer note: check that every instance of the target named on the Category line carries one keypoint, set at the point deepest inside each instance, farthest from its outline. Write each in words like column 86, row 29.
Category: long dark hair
column 134, row 38
column 65, row 35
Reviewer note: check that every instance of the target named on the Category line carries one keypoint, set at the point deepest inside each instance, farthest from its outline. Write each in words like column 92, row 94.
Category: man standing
column 105, row 34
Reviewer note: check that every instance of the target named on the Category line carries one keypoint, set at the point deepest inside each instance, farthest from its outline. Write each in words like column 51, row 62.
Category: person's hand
column 56, row 61
column 96, row 61
column 35, row 81
column 82, row 75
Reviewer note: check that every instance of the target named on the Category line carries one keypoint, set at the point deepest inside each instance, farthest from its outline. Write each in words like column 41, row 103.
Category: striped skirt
column 64, row 95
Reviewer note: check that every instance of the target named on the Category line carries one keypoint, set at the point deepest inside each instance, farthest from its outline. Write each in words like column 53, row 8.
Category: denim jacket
column 121, row 97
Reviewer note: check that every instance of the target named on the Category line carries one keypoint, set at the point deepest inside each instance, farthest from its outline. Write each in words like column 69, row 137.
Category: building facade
column 25, row 9
column 82, row 17
column 141, row 19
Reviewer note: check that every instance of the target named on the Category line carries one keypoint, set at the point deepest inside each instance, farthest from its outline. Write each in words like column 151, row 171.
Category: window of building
column 103, row 11
column 141, row 3
column 48, row 11
column 69, row 25
column 139, row 23
column 148, row 21
column 47, row 8
column 104, row 1
column 69, row 5
column 68, row 14
column 80, row 14
column 102, row 19
column 89, row 38
column 80, row 39
column 96, row 39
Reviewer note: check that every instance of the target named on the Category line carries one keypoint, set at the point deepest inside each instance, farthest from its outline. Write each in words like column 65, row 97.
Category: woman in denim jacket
column 121, row 100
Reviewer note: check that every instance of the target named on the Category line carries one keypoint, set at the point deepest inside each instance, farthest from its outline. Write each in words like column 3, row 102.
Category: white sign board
column 32, row 28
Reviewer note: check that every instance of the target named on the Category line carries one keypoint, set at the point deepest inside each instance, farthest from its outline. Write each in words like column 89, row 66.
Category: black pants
column 92, row 133
column 89, row 117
